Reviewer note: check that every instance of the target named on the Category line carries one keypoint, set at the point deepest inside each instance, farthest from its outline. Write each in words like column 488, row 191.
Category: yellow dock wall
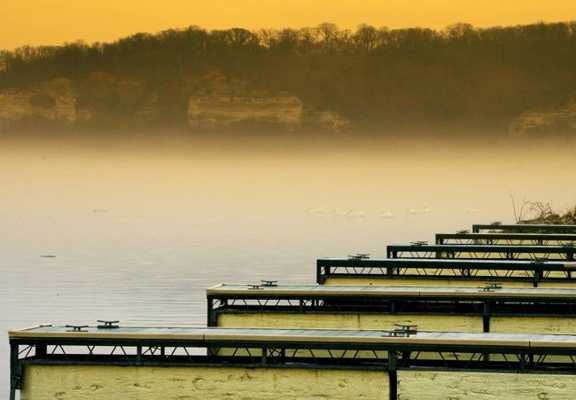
column 436, row 282
column 455, row 323
column 198, row 383
column 536, row 325
column 348, row 321
column 418, row 385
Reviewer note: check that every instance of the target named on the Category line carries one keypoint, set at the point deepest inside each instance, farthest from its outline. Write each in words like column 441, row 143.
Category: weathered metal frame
column 277, row 354
column 481, row 252
column 441, row 269
column 511, row 239
column 484, row 304
column 535, row 228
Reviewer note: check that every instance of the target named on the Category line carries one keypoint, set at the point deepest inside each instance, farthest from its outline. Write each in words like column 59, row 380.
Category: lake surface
column 137, row 232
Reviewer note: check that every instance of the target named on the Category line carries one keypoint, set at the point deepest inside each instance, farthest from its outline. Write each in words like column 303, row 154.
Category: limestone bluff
column 104, row 100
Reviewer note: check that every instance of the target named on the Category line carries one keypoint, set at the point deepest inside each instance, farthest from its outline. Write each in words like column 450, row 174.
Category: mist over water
column 136, row 230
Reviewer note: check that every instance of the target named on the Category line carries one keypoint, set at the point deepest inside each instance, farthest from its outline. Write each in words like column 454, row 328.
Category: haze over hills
column 519, row 79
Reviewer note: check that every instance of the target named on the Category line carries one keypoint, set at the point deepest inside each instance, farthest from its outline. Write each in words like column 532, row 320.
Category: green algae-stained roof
column 322, row 291
column 312, row 336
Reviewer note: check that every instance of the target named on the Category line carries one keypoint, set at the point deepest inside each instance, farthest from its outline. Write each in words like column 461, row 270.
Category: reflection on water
column 136, row 234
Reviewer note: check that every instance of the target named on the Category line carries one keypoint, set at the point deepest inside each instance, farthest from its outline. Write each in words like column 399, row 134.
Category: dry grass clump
column 538, row 212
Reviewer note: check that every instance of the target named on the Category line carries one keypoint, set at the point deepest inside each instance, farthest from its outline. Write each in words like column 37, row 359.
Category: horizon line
column 340, row 28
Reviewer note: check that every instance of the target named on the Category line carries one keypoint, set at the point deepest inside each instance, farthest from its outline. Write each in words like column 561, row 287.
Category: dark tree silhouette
column 461, row 76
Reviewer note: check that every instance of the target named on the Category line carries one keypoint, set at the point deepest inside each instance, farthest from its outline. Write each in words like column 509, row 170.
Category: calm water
column 136, row 233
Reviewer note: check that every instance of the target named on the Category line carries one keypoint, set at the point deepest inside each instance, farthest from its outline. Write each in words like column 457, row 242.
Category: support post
column 14, row 370
column 41, row 350
column 537, row 275
column 264, row 359
column 210, row 312
column 321, row 273
column 393, row 375
column 486, row 317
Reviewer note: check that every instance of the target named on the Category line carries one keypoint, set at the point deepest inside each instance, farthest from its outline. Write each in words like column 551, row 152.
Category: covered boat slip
column 86, row 361
column 525, row 228
column 482, row 252
column 444, row 272
column 485, row 309
column 510, row 239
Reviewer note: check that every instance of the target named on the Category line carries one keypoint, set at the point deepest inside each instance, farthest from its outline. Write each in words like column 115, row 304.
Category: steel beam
column 454, row 269
column 482, row 252
column 503, row 238
column 535, row 228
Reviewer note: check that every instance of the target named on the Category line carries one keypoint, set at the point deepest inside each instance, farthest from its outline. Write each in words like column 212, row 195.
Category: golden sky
column 56, row 21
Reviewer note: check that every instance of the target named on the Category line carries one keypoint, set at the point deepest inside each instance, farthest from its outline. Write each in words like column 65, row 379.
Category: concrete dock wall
column 448, row 282
column 348, row 321
column 417, row 385
column 452, row 323
column 200, row 383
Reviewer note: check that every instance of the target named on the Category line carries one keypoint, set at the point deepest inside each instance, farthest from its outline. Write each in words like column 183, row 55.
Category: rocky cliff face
column 216, row 112
column 260, row 111
column 327, row 121
column 103, row 101
column 52, row 103
column 560, row 121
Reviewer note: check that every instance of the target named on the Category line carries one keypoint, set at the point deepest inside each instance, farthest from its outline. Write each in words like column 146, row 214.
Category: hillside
column 519, row 79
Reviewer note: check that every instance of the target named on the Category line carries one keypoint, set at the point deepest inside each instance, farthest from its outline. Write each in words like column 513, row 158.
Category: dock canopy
column 48, row 335
column 510, row 239
column 482, row 252
column 137, row 342
column 403, row 348
column 485, row 302
column 536, row 228
column 461, row 270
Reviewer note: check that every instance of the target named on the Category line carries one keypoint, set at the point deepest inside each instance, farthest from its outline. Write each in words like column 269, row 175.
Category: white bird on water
column 356, row 214
column 386, row 214
column 419, row 211
column 319, row 211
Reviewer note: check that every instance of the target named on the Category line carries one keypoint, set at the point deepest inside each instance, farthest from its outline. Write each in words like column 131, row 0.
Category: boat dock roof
column 530, row 237
column 534, row 271
column 432, row 292
column 233, row 336
column 551, row 228
column 512, row 252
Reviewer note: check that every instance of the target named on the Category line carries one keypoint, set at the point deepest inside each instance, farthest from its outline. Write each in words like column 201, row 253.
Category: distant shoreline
column 518, row 80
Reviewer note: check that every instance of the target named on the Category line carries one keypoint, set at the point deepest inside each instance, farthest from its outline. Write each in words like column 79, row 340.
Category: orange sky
column 55, row 21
